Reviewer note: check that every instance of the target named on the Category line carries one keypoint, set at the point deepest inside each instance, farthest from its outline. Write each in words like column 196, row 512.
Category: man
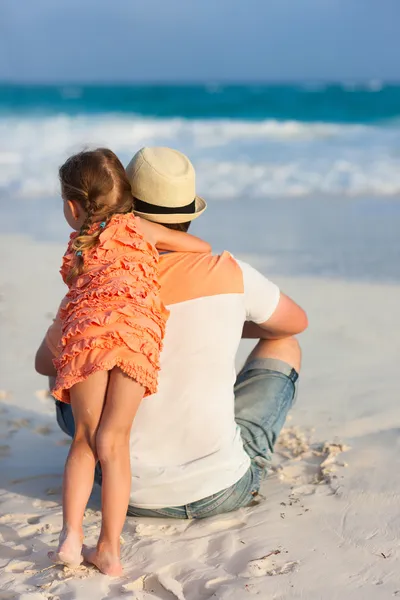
column 200, row 446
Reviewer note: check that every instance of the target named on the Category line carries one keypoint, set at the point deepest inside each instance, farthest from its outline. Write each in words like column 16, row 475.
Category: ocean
column 309, row 157
column 258, row 141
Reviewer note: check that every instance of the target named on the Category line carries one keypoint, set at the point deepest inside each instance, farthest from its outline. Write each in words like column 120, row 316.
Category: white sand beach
column 329, row 524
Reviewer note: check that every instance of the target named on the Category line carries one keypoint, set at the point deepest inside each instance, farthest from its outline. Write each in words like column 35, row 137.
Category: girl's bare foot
column 107, row 563
column 69, row 550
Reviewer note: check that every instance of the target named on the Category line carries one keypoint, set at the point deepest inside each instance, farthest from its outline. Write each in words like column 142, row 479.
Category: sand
column 328, row 526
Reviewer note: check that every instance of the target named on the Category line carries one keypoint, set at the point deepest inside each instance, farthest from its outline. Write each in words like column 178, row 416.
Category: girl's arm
column 169, row 239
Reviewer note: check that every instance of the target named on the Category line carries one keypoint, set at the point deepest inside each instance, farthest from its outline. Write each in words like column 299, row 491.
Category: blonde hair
column 97, row 180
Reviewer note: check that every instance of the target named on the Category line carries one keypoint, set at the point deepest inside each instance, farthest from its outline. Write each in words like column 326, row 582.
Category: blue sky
column 198, row 40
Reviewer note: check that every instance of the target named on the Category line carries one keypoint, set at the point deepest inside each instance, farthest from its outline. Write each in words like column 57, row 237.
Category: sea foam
column 232, row 157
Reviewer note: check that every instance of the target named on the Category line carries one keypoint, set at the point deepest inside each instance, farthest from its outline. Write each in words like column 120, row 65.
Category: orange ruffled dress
column 112, row 314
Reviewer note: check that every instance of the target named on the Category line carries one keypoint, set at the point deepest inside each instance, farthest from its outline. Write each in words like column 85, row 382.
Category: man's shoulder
column 187, row 276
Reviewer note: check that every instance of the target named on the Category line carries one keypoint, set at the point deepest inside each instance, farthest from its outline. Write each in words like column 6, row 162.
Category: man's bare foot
column 106, row 563
column 69, row 550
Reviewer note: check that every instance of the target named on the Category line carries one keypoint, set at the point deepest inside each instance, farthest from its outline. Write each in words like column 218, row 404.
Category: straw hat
column 163, row 185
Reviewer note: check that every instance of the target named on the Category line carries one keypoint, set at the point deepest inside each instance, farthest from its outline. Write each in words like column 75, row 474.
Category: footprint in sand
column 269, row 565
column 144, row 529
column 5, row 451
column 151, row 582
column 215, row 525
column 307, row 464
column 14, row 425
column 219, row 524
column 13, row 551
column 15, row 528
column 9, row 518
column 34, row 477
column 44, row 430
column 226, row 523
column 57, row 491
column 19, row 566
column 43, row 528
column 33, row 520
column 37, row 503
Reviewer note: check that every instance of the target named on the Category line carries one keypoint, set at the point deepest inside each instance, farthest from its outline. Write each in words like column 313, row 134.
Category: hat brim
column 175, row 218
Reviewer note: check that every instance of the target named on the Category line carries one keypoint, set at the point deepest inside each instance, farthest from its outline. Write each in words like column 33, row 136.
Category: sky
column 198, row 40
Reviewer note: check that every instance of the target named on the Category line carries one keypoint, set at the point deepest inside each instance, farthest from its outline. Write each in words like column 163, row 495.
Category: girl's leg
column 112, row 442
column 87, row 402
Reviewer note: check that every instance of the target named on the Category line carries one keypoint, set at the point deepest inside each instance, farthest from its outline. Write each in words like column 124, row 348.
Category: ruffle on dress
column 112, row 315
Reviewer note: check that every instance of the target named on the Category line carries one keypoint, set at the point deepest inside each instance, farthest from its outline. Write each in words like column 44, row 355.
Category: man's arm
column 44, row 360
column 288, row 319
column 49, row 348
column 270, row 314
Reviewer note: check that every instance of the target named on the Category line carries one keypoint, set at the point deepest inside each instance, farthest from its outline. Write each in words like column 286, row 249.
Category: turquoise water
column 334, row 103
column 293, row 167
column 252, row 142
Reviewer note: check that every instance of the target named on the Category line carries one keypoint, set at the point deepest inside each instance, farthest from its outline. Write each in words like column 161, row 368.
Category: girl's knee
column 87, row 437
column 110, row 444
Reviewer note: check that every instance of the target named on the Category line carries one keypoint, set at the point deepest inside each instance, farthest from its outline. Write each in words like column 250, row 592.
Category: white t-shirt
column 185, row 443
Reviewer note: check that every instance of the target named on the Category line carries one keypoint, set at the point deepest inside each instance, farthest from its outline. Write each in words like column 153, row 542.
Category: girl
column 113, row 325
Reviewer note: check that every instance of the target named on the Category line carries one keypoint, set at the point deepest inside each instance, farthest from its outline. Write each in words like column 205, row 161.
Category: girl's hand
column 169, row 239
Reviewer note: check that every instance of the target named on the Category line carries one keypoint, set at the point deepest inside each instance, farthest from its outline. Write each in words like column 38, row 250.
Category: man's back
column 185, row 444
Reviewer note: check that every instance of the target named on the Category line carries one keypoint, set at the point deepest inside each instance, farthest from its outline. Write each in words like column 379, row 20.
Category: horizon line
column 206, row 83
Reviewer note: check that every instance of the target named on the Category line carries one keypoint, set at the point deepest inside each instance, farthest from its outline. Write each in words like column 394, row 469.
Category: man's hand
column 287, row 320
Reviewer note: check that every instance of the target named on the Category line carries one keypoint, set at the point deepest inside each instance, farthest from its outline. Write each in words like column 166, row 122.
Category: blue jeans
column 264, row 393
